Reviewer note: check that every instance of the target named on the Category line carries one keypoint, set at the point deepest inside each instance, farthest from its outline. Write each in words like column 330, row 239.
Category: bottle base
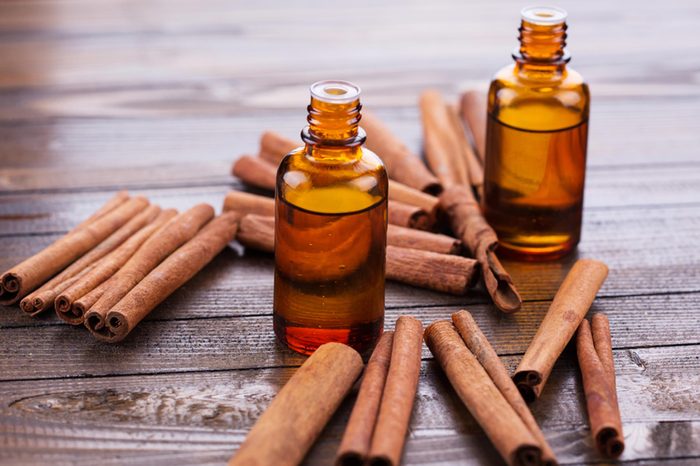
column 306, row 340
column 534, row 253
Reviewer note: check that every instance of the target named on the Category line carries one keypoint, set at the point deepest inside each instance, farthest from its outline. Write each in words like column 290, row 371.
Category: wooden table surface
column 160, row 96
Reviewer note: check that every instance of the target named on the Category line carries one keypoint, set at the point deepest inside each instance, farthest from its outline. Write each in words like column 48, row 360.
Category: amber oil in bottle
column 536, row 143
column 330, row 229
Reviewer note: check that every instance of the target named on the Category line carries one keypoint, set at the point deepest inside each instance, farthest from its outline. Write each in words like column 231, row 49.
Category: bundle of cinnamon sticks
column 110, row 271
column 457, row 176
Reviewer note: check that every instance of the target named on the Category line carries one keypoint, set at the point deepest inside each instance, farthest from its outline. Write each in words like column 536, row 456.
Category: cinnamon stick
column 399, row 192
column 178, row 268
column 425, row 241
column 488, row 358
column 255, row 172
column 246, row 203
column 570, row 304
column 424, row 269
column 399, row 393
column 409, row 216
column 470, row 226
column 473, row 108
column 73, row 301
column 43, row 298
column 27, row 276
column 442, row 149
column 295, row 418
column 401, row 163
column 472, row 164
column 354, row 448
column 174, row 234
column 257, row 232
column 485, row 402
column 273, row 148
column 594, row 352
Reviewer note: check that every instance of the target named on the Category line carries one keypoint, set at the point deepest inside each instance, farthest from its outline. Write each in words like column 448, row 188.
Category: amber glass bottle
column 536, row 143
column 330, row 229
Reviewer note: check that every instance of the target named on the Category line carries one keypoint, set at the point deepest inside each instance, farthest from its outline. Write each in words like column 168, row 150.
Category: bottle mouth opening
column 544, row 15
column 336, row 92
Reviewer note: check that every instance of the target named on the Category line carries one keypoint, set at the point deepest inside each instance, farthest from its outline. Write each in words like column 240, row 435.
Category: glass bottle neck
column 542, row 48
column 333, row 132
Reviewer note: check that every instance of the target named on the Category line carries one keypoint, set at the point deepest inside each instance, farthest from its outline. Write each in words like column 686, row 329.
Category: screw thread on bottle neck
column 542, row 36
column 334, row 115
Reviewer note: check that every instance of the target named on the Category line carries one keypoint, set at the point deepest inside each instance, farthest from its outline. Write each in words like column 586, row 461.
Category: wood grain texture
column 160, row 97
column 203, row 411
column 220, row 343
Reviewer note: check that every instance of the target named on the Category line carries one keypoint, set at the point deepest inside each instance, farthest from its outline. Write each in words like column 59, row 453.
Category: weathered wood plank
column 231, row 42
column 180, row 417
column 31, row 352
column 651, row 182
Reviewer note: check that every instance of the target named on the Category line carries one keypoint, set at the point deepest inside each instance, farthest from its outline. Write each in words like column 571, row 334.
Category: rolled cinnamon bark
column 475, row 171
column 442, row 150
column 424, row 269
column 399, row 393
column 480, row 347
column 43, row 298
column 255, row 172
column 178, row 268
column 425, row 241
column 27, row 276
column 473, row 108
column 174, row 234
column 401, row 164
column 70, row 305
column 409, row 216
column 295, row 418
column 600, row 328
column 411, row 196
column 357, row 438
column 112, row 203
column 570, row 304
column 274, row 146
column 485, row 402
column 470, row 226
column 246, row 203
column 257, row 232
column 595, row 357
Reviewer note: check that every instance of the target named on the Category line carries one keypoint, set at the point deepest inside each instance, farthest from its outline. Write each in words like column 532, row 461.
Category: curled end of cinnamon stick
column 9, row 288
column 381, row 461
column 27, row 306
column 500, row 285
column 350, row 458
column 73, row 314
column 528, row 455
column 421, row 220
column 527, row 382
column 112, row 329
column 609, row 443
